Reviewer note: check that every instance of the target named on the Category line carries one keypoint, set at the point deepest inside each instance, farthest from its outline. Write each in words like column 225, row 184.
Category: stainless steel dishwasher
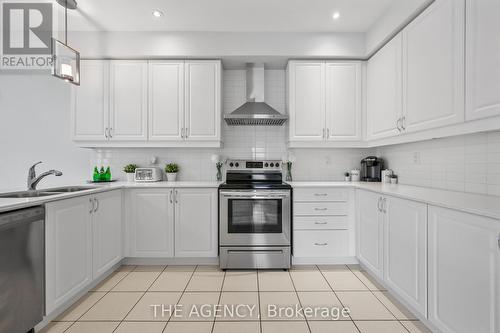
column 22, row 271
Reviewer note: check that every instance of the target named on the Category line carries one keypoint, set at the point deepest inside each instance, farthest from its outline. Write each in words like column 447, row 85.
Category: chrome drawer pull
column 320, row 194
column 321, row 244
column 320, row 208
column 320, row 222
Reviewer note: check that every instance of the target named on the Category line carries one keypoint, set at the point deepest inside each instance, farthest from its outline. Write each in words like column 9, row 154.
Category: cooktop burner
column 243, row 174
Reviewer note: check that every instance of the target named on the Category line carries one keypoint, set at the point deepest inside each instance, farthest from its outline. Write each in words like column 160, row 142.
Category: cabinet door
column 306, row 100
column 384, row 83
column 151, row 223
column 90, row 108
column 483, row 59
column 202, row 100
column 370, row 231
column 166, row 100
column 343, row 101
column 433, row 67
column 196, row 222
column 405, row 250
column 129, row 100
column 107, row 231
column 464, row 272
column 68, row 246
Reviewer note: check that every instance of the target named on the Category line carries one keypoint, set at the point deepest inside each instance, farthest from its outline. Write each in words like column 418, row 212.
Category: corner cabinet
column 464, row 272
column 140, row 103
column 168, row 223
column 324, row 101
column 482, row 59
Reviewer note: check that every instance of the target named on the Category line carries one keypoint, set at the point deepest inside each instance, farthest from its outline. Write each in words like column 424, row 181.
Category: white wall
column 243, row 142
column 34, row 126
column 468, row 163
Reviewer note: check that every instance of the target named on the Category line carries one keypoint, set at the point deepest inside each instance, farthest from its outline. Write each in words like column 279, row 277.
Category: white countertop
column 7, row 204
column 485, row 205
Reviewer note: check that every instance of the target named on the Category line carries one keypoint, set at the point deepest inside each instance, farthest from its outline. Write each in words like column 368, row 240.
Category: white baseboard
column 171, row 261
column 325, row 261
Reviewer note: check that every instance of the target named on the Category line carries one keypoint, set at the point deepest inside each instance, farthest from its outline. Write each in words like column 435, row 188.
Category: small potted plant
column 172, row 169
column 129, row 170
column 347, row 176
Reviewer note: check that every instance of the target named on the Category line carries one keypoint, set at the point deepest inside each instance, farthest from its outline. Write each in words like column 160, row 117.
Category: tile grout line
column 182, row 294
column 298, row 298
column 139, row 298
column 258, row 301
column 372, row 292
column 336, row 295
column 220, row 297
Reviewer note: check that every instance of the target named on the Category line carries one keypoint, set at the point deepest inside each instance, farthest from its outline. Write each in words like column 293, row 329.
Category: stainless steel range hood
column 255, row 112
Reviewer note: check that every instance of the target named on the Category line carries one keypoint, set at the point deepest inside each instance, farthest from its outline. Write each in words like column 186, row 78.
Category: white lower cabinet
column 464, row 272
column 151, row 222
column 196, row 222
column 405, row 250
column 68, row 249
column 167, row 223
column 321, row 224
column 107, row 231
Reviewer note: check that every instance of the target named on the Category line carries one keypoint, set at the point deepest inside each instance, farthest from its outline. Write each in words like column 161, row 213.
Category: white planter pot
column 171, row 177
column 347, row 178
column 130, row 177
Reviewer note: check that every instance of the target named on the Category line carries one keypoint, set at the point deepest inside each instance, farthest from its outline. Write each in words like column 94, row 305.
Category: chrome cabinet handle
column 96, row 205
column 170, row 197
column 403, row 121
column 187, row 132
column 320, row 209
column 323, row 133
column 327, row 133
column 182, row 133
column 321, row 244
column 320, row 194
column 92, row 205
column 321, row 223
column 106, row 133
column 384, row 205
column 110, row 132
column 398, row 125
column 379, row 204
column 176, row 199
column 499, row 240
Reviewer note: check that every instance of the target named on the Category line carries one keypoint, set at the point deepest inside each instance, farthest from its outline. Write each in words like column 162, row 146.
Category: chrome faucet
column 33, row 180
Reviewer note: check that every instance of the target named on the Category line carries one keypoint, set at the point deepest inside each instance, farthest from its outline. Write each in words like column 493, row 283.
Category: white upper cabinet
column 483, row 59
column 166, row 100
column 464, row 272
column 384, row 82
column 90, row 108
column 202, row 100
column 343, row 101
column 196, row 222
column 128, row 100
column 405, row 250
column 306, row 100
column 433, row 67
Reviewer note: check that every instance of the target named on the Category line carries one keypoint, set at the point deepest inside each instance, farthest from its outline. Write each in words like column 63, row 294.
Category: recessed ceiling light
column 157, row 13
column 336, row 15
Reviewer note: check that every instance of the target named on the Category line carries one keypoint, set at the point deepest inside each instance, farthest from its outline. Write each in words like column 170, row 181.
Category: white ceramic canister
column 355, row 175
column 386, row 175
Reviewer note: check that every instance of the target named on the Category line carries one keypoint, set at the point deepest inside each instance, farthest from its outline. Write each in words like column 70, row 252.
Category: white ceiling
column 230, row 15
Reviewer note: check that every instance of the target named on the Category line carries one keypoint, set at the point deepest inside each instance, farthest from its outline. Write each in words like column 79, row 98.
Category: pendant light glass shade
column 65, row 62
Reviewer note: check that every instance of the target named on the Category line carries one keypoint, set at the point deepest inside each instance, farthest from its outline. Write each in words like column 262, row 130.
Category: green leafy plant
column 130, row 168
column 172, row 168
column 346, row 174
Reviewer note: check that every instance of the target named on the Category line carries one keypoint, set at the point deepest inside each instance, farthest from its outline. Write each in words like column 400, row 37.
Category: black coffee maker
column 371, row 169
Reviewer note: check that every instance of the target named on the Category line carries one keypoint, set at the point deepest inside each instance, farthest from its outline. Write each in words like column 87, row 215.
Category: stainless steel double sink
column 46, row 192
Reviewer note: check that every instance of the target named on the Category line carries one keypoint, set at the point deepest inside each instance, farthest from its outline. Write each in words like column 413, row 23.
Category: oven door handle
column 256, row 196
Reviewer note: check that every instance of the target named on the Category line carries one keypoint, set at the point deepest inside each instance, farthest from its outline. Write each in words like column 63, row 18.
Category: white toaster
column 149, row 174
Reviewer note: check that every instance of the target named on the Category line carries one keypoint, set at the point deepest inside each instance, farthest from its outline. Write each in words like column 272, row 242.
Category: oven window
column 254, row 216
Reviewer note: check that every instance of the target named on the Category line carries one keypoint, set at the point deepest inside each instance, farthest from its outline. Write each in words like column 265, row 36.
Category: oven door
column 254, row 217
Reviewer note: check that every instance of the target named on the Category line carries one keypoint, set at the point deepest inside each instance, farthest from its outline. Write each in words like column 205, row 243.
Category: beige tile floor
column 122, row 302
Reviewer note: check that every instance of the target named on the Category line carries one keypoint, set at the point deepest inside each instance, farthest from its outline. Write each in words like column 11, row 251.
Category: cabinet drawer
column 320, row 222
column 320, row 208
column 320, row 194
column 320, row 243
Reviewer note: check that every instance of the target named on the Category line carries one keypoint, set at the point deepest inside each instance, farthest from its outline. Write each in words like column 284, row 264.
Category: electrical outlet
column 416, row 157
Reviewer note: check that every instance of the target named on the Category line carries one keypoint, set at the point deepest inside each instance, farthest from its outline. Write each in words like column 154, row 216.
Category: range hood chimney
column 255, row 112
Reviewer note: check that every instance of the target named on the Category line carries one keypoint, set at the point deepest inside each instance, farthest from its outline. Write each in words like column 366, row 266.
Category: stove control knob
column 277, row 164
column 272, row 165
column 266, row 165
column 231, row 164
column 237, row 164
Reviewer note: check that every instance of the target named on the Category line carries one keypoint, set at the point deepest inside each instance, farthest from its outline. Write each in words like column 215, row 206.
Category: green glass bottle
column 95, row 176
column 107, row 174
column 102, row 174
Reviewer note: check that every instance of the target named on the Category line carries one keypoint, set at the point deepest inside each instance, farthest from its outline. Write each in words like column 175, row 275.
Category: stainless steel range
column 254, row 216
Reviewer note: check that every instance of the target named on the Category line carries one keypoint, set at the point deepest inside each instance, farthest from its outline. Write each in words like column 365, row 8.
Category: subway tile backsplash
column 469, row 163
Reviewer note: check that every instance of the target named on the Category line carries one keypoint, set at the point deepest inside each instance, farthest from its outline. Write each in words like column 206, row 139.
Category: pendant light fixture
column 65, row 60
